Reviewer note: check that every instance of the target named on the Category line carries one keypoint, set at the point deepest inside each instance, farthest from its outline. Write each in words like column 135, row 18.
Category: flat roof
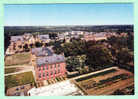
column 58, row 89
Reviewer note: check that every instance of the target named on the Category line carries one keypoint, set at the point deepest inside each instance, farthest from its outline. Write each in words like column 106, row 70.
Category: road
column 94, row 72
column 18, row 66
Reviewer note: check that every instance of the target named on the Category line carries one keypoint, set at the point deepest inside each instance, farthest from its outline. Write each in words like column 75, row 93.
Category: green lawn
column 19, row 79
column 10, row 70
column 17, row 59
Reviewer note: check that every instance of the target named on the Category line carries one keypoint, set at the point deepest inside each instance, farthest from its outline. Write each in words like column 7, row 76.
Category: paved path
column 18, row 66
column 95, row 72
column 17, row 72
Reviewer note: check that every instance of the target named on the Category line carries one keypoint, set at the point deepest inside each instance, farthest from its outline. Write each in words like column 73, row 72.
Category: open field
column 11, row 70
column 19, row 79
column 105, row 82
column 17, row 59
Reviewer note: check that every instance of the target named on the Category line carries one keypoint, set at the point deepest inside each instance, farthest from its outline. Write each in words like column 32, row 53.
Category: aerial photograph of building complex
column 69, row 49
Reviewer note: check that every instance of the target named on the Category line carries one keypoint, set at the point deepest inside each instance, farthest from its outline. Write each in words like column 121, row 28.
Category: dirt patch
column 17, row 59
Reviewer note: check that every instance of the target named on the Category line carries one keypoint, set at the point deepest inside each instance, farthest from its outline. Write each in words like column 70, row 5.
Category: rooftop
column 16, row 38
column 43, row 37
column 50, row 59
column 58, row 89
column 42, row 51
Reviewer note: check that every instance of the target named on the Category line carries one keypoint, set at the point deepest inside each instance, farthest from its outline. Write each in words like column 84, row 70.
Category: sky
column 68, row 14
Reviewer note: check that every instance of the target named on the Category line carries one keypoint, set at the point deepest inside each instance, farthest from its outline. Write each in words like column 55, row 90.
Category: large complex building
column 98, row 36
column 26, row 41
column 50, row 67
column 47, row 65
column 40, row 52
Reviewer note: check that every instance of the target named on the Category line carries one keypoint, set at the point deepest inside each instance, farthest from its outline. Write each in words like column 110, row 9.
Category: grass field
column 10, row 70
column 19, row 79
column 17, row 59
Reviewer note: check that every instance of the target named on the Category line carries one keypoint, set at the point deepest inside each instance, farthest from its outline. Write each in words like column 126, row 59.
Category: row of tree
column 99, row 54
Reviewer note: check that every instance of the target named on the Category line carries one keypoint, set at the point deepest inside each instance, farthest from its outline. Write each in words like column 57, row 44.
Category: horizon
column 68, row 14
column 67, row 25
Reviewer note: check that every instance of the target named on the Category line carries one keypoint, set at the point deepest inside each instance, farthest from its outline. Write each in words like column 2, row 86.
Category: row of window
column 47, row 73
column 50, row 67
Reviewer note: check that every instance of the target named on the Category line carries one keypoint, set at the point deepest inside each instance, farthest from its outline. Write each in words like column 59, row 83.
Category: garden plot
column 103, row 82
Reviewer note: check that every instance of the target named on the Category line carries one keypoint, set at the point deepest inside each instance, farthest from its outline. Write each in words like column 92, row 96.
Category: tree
column 98, row 56
column 118, row 92
column 118, row 42
column 124, row 56
column 57, row 47
column 130, row 41
column 38, row 44
column 72, row 63
column 75, row 62
column 26, row 48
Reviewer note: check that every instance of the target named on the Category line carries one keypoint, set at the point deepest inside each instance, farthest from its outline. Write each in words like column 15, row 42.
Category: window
column 58, row 65
column 58, row 70
column 43, row 74
column 39, row 68
column 47, row 67
column 39, row 75
column 51, row 66
column 19, row 46
column 51, row 73
column 43, row 68
column 47, row 73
